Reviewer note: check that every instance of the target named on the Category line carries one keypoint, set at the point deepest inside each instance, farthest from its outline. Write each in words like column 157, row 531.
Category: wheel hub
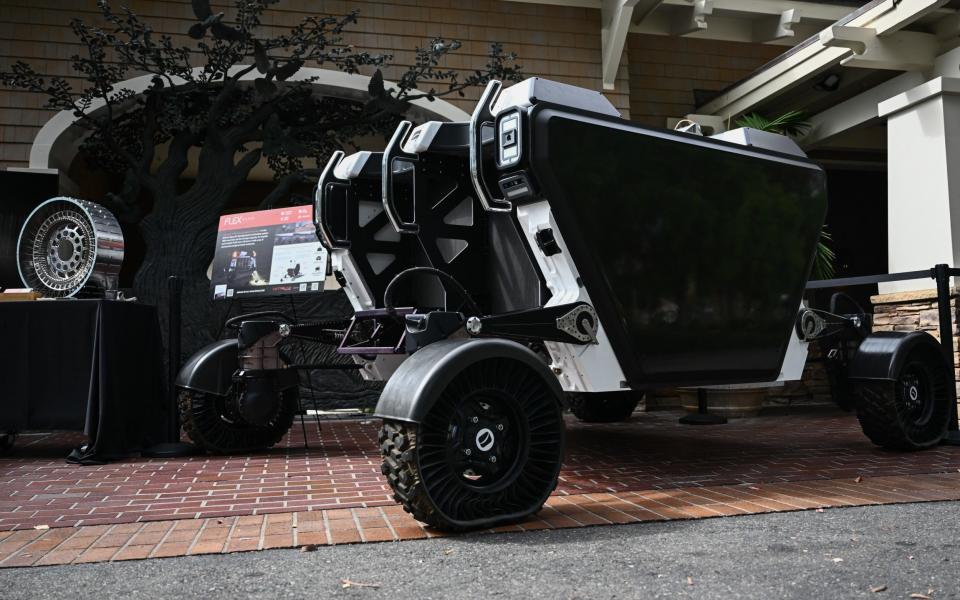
column 485, row 440
column 64, row 237
column 917, row 397
column 485, row 445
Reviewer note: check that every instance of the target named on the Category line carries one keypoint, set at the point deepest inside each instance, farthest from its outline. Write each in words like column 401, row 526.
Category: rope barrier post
column 174, row 327
column 941, row 273
column 173, row 447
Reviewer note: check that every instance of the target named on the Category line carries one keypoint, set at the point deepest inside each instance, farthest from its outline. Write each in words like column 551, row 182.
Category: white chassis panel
column 589, row 368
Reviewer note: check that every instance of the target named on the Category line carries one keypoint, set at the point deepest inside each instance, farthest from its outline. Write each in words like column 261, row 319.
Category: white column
column 923, row 176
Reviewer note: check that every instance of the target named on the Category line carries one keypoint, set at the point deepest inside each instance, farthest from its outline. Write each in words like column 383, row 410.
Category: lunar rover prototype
column 550, row 253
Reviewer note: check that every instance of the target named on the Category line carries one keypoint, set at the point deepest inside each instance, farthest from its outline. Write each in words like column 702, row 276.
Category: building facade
column 656, row 76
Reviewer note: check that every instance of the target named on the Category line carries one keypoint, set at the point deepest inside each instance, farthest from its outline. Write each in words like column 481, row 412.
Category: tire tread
column 219, row 438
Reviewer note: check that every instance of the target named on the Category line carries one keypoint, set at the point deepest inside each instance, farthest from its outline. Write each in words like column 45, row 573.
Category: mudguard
column 881, row 355
column 211, row 369
column 413, row 389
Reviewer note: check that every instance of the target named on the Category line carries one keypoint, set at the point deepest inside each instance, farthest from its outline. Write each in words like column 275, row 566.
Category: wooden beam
column 616, row 16
column 692, row 18
column 900, row 51
column 768, row 29
column 857, row 111
column 845, row 36
column 730, row 29
column 810, row 10
column 904, row 13
column 809, row 61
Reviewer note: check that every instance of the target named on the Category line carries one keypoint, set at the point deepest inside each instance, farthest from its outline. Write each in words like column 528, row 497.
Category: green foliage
column 792, row 123
column 823, row 263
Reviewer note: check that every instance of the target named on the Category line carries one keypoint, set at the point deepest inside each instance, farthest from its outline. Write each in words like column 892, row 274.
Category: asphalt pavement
column 873, row 552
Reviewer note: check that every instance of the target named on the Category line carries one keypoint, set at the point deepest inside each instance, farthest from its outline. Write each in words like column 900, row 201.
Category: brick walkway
column 648, row 469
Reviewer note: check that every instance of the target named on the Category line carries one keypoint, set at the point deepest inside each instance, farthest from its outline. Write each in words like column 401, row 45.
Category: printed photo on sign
column 298, row 263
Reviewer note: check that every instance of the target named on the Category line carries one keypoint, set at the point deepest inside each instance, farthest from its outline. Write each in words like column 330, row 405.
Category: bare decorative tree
column 233, row 98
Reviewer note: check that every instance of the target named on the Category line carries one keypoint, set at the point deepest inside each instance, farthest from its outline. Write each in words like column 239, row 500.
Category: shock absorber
column 259, row 343
column 257, row 397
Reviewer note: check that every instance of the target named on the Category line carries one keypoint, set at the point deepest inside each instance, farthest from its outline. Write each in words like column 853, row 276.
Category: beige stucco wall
column 557, row 42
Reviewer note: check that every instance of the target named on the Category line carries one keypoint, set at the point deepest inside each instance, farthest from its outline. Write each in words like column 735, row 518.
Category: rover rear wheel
column 912, row 412
column 603, row 407
column 487, row 453
column 211, row 424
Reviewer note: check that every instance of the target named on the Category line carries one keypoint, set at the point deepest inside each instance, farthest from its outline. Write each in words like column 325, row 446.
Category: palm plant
column 794, row 123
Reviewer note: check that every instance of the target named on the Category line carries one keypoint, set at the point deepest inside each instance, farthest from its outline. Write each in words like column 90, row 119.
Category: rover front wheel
column 487, row 453
column 913, row 411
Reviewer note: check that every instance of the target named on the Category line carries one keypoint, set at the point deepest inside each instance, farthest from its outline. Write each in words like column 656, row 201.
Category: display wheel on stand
column 69, row 247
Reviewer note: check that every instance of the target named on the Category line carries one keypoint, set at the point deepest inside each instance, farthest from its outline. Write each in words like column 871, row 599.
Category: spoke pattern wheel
column 603, row 407
column 69, row 247
column 210, row 424
column 487, row 453
column 912, row 412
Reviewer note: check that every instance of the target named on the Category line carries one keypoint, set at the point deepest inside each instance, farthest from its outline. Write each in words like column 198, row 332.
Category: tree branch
column 243, row 167
column 176, row 161
column 285, row 184
column 240, row 132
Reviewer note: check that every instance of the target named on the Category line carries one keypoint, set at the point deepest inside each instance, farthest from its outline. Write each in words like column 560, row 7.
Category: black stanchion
column 702, row 417
column 173, row 447
column 945, row 315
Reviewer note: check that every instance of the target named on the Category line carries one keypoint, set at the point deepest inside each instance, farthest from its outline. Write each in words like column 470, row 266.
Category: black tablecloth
column 91, row 365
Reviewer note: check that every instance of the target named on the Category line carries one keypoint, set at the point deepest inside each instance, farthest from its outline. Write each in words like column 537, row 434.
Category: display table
column 91, row 365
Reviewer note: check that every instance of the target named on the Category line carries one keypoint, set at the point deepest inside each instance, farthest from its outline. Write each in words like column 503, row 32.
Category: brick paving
column 648, row 469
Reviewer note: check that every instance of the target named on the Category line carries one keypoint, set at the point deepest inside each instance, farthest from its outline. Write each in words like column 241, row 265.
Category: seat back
column 428, row 195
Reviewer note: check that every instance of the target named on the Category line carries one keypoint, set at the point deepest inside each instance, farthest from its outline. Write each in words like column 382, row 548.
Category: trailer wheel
column 7, row 440
column 603, row 407
column 208, row 422
column 487, row 453
column 912, row 412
